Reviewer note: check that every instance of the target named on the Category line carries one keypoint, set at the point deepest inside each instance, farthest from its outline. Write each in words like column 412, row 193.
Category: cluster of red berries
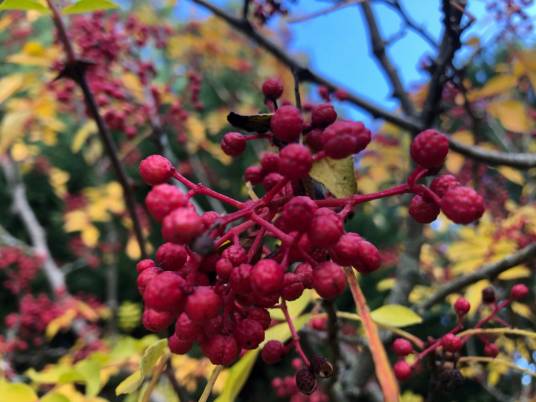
column 216, row 275
column 451, row 344
column 18, row 268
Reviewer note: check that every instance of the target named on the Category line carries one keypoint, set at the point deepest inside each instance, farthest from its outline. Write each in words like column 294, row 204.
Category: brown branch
column 489, row 271
column 378, row 49
column 78, row 74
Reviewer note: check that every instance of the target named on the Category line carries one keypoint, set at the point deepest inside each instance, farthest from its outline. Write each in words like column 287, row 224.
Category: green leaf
column 22, row 5
column 54, row 397
column 395, row 315
column 90, row 372
column 130, row 384
column 17, row 392
column 88, row 6
column 151, row 356
column 338, row 175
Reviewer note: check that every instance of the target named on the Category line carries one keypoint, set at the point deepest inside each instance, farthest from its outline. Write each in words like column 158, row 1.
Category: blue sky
column 336, row 44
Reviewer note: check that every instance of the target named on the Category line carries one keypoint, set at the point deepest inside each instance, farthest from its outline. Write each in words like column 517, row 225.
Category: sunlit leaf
column 63, row 321
column 295, row 308
column 9, row 85
column 12, row 128
column 82, row 135
column 130, row 384
column 512, row 114
column 54, row 397
column 395, row 315
column 338, row 175
column 17, row 392
column 495, row 86
column 514, row 175
column 88, row 6
column 151, row 356
column 22, row 5
column 90, row 371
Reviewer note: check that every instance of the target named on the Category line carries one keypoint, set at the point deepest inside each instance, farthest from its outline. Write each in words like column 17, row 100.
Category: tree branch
column 489, row 271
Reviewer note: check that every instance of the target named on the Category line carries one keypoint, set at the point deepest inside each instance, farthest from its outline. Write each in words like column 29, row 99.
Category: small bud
column 322, row 367
column 519, row 291
column 488, row 295
column 306, row 381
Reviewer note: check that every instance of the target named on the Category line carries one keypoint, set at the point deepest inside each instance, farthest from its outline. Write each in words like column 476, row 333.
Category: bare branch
column 324, row 11
column 489, row 271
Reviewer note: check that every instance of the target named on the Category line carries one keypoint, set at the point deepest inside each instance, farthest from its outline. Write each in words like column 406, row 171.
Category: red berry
column 341, row 94
column 240, row 279
column 203, row 304
column 368, row 257
column 344, row 138
column 253, row 174
column 305, row 273
column 323, row 115
column 287, row 123
column 462, row 306
column 519, row 291
column 429, row 149
column 182, row 226
column 402, row 370
column 224, row 267
column 163, row 199
column 441, row 184
column 233, row 144
column 164, row 292
column 314, row 139
column 221, row 349
column 298, row 212
column 269, row 162
column 329, row 280
column 488, row 295
column 273, row 352
column 178, row 345
column 346, row 251
column 144, row 264
column 145, row 277
column 249, row 334
column 295, row 161
column 271, row 180
column 210, row 218
column 272, row 88
column 491, row 350
column 171, row 257
column 402, row 347
column 267, row 277
column 186, row 329
column 261, row 315
column 265, row 301
column 292, row 287
column 451, row 343
column 156, row 169
column 462, row 205
column 423, row 210
column 157, row 321
column 236, row 254
column 326, row 228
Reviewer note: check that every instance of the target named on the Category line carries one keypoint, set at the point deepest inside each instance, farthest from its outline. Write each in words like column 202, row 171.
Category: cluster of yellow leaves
column 75, row 308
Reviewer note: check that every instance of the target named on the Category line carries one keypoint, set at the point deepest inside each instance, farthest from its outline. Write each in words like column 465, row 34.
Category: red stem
column 294, row 333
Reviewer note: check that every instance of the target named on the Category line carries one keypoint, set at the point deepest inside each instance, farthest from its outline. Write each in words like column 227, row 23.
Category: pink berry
column 462, row 205
column 451, row 342
column 163, row 199
column 267, row 277
column 178, row 345
column 272, row 88
column 145, row 277
column 203, row 304
column 249, row 334
column 287, row 123
column 491, row 350
column 271, row 180
column 402, row 347
column 326, row 228
column 329, row 280
column 323, row 115
column 345, row 252
column 236, row 254
column 519, row 291
column 253, row 174
column 423, row 210
column 269, row 162
column 344, row 138
column 442, row 183
column 295, row 161
column 368, row 257
column 298, row 212
column 156, row 169
column 261, row 315
column 429, row 149
column 186, row 329
column 314, row 139
column 164, row 292
column 292, row 287
column 402, row 370
column 233, row 144
column 157, row 321
column 305, row 273
column 182, row 226
column 224, row 267
column 462, row 306
column 273, row 352
column 221, row 349
column 144, row 264
column 171, row 257
column 240, row 279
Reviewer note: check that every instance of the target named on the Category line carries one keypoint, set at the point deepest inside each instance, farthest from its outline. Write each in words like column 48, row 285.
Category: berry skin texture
column 185, row 328
column 236, row 254
column 292, row 287
column 145, row 277
column 519, row 291
column 295, row 161
column 221, row 349
column 345, row 252
column 462, row 306
column 203, row 304
column 171, row 257
column 287, row 123
column 305, row 273
column 451, row 342
column 402, row 347
column 233, row 144
column 423, row 210
column 240, row 279
column 143, row 265
column 155, row 169
column 441, row 184
column 267, row 277
column 326, row 228
column 272, row 88
column 164, row 292
column 344, row 138
column 178, row 345
column 224, row 267
column 163, row 199
column 491, row 350
column 329, row 280
column 462, row 205
column 249, row 334
column 402, row 370
column 273, row 352
column 368, row 257
column 298, row 212
column 429, row 149
column 253, row 174
column 157, row 321
column 323, row 115
column 269, row 162
column 182, row 226
column 261, row 315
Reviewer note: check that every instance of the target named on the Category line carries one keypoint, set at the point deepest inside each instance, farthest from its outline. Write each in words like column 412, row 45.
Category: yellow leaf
column 385, row 284
column 129, row 384
column 9, row 85
column 90, row 236
column 54, row 397
column 295, row 308
column 17, row 392
column 523, row 310
column 133, row 249
column 512, row 114
column 395, row 315
column 63, row 321
column 196, row 133
column 12, row 128
column 134, row 85
column 82, row 135
column 152, row 354
column 514, row 175
column 75, row 221
column 516, row 272
column 473, row 294
column 495, row 86
column 338, row 175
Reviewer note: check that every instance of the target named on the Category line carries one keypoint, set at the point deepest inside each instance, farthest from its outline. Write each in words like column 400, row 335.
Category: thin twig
column 210, row 385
